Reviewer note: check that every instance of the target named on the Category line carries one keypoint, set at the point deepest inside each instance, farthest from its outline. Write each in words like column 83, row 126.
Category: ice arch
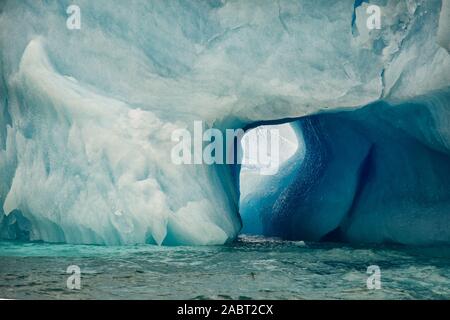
column 377, row 174
column 86, row 115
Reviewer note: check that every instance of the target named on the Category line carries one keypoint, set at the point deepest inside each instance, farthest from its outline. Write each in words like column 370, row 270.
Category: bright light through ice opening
column 251, row 179
column 265, row 144
column 251, row 175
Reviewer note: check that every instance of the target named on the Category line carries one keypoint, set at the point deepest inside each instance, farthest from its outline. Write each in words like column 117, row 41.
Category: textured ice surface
column 377, row 174
column 86, row 115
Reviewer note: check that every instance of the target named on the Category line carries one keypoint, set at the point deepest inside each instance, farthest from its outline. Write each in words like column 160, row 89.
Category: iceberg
column 86, row 117
column 377, row 174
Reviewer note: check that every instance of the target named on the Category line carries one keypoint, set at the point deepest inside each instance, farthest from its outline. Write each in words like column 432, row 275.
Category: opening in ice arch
column 378, row 174
column 266, row 151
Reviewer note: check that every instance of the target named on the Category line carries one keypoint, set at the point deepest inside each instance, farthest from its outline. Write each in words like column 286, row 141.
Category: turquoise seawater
column 249, row 268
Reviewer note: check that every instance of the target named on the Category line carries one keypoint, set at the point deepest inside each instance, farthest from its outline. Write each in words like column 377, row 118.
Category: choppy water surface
column 250, row 268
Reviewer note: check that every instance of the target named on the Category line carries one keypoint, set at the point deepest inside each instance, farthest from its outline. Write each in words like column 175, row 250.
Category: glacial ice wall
column 86, row 115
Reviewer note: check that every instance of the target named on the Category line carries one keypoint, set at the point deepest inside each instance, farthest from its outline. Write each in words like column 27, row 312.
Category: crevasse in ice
column 86, row 118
